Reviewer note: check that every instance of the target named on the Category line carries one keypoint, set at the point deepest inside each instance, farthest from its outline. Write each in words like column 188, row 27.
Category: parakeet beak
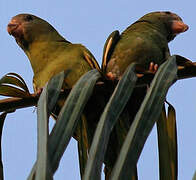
column 15, row 29
column 11, row 27
column 179, row 27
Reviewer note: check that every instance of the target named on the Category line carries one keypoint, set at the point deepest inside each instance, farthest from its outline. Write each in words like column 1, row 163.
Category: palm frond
column 144, row 120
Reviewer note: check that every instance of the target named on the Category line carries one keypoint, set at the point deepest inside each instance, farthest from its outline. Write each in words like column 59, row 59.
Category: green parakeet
column 49, row 53
column 143, row 42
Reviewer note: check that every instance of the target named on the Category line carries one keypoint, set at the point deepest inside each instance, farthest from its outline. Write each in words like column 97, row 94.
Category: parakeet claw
column 153, row 67
column 139, row 75
column 111, row 76
column 38, row 91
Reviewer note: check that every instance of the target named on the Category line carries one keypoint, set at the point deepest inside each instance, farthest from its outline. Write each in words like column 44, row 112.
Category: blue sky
column 90, row 22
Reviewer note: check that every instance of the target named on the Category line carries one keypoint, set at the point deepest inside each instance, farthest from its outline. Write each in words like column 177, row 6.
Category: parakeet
column 144, row 42
column 49, row 53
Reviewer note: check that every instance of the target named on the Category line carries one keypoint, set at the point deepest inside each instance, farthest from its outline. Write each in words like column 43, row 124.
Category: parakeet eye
column 28, row 18
column 167, row 12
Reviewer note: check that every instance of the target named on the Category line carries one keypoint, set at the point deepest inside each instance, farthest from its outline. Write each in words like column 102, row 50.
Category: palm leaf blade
column 108, row 119
column 144, row 120
column 69, row 116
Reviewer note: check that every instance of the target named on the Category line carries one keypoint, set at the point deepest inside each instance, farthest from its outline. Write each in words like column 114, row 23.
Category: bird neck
column 147, row 26
column 42, row 53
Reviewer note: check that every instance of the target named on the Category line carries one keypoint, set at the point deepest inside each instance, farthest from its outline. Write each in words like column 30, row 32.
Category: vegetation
column 73, row 121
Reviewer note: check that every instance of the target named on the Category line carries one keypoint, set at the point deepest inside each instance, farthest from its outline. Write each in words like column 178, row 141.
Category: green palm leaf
column 107, row 121
column 2, row 119
column 167, row 141
column 144, row 120
column 69, row 116
column 13, row 85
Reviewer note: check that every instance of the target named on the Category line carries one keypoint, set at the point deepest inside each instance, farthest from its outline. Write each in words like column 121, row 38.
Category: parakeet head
column 27, row 28
column 166, row 21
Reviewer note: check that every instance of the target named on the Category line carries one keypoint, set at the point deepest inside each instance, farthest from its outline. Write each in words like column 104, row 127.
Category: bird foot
column 152, row 69
column 38, row 92
column 111, row 76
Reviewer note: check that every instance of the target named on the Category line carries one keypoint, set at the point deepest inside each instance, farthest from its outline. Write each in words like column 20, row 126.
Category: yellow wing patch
column 91, row 61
